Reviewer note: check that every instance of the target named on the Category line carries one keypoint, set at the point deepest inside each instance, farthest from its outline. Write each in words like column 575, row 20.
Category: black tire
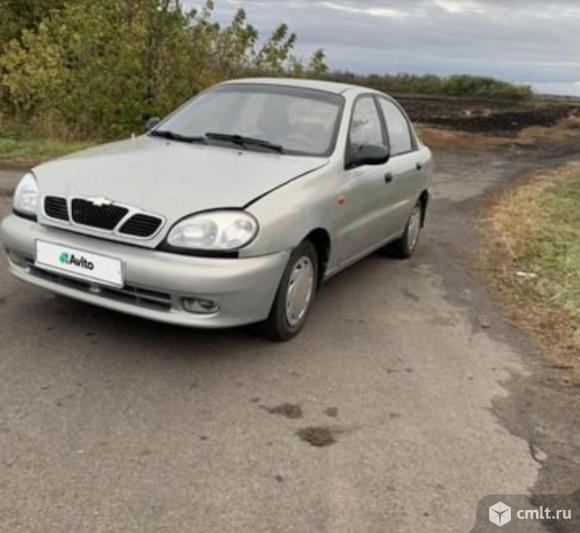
column 277, row 327
column 404, row 248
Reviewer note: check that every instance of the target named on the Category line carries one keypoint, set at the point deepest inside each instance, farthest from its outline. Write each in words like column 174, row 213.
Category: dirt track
column 109, row 423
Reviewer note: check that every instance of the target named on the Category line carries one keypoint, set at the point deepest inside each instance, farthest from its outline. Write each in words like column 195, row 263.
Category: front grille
column 141, row 296
column 141, row 225
column 56, row 207
column 105, row 217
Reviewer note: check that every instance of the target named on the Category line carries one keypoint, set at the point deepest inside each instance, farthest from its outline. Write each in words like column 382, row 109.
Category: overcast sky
column 535, row 42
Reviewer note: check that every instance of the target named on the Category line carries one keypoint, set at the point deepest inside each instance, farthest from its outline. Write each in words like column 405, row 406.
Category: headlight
column 214, row 231
column 26, row 196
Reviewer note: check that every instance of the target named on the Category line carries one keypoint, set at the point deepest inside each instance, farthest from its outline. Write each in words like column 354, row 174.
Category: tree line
column 460, row 85
column 100, row 68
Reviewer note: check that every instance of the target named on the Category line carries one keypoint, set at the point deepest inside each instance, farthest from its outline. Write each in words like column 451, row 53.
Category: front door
column 367, row 189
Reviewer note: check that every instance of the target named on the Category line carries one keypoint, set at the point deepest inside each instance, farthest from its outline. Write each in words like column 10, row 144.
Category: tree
column 19, row 15
column 101, row 67
column 318, row 66
column 275, row 54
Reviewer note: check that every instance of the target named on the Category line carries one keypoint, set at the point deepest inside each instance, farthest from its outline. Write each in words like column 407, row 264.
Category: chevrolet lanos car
column 231, row 211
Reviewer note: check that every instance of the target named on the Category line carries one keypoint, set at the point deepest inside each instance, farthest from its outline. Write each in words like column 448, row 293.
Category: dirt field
column 485, row 116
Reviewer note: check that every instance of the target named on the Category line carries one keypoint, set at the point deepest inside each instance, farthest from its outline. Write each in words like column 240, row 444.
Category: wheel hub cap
column 300, row 289
column 414, row 228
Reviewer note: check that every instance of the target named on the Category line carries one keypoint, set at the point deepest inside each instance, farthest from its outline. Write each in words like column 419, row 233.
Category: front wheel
column 405, row 247
column 295, row 294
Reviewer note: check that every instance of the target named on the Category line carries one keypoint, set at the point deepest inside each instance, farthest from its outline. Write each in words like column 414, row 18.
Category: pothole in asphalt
column 318, row 436
column 289, row 410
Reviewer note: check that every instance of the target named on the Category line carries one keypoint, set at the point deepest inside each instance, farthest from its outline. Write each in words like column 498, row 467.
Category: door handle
column 419, row 166
column 388, row 178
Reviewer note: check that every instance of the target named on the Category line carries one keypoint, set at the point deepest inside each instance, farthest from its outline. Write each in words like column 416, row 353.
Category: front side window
column 400, row 139
column 365, row 127
column 301, row 121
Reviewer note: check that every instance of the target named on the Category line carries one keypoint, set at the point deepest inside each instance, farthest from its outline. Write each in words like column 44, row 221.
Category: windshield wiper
column 172, row 136
column 244, row 141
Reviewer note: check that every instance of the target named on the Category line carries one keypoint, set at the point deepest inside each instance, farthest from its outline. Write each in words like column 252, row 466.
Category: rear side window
column 398, row 128
column 366, row 125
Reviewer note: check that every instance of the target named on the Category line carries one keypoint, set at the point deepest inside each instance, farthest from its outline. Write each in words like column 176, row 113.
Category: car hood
column 171, row 179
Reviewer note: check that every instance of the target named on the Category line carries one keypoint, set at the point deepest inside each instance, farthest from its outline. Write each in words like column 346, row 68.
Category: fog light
column 199, row 306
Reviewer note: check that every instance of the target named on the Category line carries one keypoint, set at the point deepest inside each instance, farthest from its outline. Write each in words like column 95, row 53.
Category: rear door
column 405, row 166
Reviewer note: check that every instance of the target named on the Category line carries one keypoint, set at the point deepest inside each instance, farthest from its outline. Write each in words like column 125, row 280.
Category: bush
column 460, row 85
column 100, row 68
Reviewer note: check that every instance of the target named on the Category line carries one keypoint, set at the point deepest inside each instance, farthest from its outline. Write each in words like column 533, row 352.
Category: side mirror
column 151, row 123
column 368, row 154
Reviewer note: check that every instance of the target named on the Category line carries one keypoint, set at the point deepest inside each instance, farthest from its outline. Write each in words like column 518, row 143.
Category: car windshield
column 297, row 121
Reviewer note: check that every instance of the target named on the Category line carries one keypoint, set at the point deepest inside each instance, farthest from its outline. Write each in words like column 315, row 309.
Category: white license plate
column 79, row 264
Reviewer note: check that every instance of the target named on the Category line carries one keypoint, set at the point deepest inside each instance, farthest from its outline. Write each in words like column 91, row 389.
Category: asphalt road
column 110, row 423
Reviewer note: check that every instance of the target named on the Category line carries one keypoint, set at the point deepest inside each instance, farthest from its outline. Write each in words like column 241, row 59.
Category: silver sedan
column 233, row 210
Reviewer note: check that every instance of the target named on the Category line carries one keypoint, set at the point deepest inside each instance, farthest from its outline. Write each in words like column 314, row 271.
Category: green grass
column 14, row 151
column 533, row 254
column 554, row 252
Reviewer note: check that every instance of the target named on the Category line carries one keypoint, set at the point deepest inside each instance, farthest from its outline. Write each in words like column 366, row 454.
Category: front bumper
column 156, row 282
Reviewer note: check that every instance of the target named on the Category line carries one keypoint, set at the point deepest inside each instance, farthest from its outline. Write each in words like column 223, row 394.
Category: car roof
column 327, row 86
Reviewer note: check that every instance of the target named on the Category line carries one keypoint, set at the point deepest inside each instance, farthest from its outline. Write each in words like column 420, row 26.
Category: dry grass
column 439, row 139
column 533, row 258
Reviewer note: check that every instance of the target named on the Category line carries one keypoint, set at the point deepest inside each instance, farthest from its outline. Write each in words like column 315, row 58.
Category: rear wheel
column 405, row 247
column 295, row 294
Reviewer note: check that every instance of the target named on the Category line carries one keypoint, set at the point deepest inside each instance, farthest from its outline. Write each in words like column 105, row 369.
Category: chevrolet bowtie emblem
column 100, row 201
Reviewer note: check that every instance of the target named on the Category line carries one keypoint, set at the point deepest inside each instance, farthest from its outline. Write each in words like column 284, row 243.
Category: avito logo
column 70, row 259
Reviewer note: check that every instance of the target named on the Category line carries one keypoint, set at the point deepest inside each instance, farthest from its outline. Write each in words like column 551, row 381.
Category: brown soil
column 484, row 116
column 565, row 131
